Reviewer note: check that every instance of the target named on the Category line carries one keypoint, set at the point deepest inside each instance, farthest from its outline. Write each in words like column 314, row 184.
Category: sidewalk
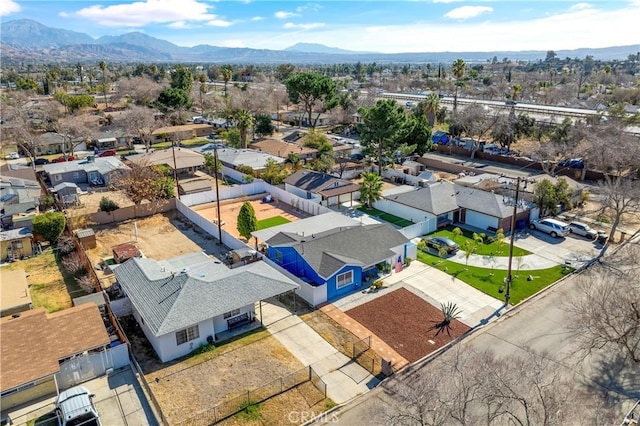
column 529, row 262
column 345, row 379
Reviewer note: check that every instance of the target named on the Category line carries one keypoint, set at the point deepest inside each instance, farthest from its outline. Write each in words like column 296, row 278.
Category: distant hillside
column 28, row 40
column 319, row 48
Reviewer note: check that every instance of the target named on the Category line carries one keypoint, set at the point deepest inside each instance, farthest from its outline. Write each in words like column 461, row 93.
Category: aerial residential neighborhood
column 265, row 230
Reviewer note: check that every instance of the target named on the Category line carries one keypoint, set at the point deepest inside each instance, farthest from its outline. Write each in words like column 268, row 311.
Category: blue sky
column 381, row 26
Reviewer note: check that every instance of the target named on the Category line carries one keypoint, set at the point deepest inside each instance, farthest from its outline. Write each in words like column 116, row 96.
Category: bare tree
column 476, row 122
column 140, row 183
column 605, row 312
column 73, row 263
column 141, row 90
column 140, row 121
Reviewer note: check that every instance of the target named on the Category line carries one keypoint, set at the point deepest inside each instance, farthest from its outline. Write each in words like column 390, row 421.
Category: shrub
column 73, row 264
column 86, row 283
column 65, row 246
column 49, row 225
column 407, row 261
column 108, row 205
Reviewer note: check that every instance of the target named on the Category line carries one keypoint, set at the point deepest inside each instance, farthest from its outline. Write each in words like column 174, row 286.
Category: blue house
column 344, row 259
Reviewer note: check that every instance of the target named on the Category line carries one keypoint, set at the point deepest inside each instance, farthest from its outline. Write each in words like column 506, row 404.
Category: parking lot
column 119, row 400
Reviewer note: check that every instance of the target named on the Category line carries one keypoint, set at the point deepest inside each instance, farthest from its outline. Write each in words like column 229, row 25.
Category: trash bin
column 603, row 238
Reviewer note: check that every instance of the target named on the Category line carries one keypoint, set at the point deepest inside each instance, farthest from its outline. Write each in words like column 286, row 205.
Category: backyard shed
column 87, row 237
column 124, row 252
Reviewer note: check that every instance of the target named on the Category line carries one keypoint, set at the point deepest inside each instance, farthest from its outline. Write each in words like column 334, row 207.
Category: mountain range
column 28, row 40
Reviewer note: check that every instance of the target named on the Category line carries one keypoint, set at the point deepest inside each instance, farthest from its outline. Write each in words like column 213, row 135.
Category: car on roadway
column 410, row 104
column 107, row 153
column 38, row 162
column 438, row 243
column 63, row 158
column 553, row 227
column 510, row 102
column 582, row 229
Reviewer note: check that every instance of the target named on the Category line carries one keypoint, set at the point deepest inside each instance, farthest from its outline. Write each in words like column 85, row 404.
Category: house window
column 57, row 177
column 231, row 313
column 187, row 335
column 277, row 254
column 344, row 279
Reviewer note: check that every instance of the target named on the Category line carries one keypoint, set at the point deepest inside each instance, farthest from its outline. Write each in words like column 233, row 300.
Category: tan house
column 179, row 133
column 15, row 243
column 282, row 149
column 14, row 292
column 185, row 161
column 36, row 345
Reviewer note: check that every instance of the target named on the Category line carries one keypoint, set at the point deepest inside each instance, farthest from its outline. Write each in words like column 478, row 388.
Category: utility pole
column 215, row 162
column 175, row 170
column 509, row 279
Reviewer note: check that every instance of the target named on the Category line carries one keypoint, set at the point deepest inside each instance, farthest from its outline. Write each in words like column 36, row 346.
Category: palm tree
column 103, row 68
column 227, row 74
column 370, row 188
column 431, row 107
column 457, row 69
column 244, row 121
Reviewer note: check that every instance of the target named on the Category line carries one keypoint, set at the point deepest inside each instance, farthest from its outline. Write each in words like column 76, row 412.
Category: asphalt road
column 540, row 324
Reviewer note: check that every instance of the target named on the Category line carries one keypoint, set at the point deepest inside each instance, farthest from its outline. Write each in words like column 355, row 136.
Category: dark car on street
column 438, row 243
column 38, row 162
column 108, row 153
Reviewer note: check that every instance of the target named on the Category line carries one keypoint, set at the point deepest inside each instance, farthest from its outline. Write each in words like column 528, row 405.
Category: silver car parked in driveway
column 553, row 227
column 583, row 230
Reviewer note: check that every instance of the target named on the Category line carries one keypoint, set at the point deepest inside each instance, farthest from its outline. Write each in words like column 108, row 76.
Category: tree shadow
column 616, row 377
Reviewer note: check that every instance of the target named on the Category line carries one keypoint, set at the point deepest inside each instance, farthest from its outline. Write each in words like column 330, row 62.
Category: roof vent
column 184, row 271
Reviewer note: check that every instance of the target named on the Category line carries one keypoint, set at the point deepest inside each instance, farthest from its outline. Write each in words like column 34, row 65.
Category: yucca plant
column 450, row 311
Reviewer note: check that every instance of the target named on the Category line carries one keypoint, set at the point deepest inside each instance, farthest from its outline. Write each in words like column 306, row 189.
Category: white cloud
column 257, row 18
column 466, row 12
column 145, row 12
column 311, row 7
column 580, row 6
column 8, row 7
column 284, row 15
column 219, row 23
column 310, row 26
column 447, row 1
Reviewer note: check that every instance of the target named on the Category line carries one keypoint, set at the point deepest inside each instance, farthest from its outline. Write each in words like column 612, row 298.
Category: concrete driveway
column 575, row 249
column 345, row 379
column 119, row 400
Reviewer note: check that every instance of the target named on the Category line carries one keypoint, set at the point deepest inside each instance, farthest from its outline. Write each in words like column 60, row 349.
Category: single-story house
column 67, row 193
column 413, row 168
column 110, row 139
column 15, row 243
column 14, row 292
column 55, row 143
column 19, row 193
column 183, row 132
column 282, row 149
column 444, row 203
column 309, row 225
column 187, row 301
column 301, row 118
column 232, row 158
column 341, row 259
column 187, row 162
column 192, row 186
column 37, row 349
column 96, row 170
column 321, row 188
column 357, row 119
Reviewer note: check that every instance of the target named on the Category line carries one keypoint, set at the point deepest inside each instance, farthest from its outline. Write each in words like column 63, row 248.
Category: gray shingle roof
column 180, row 292
column 438, row 198
column 484, row 202
column 328, row 252
column 308, row 226
column 103, row 165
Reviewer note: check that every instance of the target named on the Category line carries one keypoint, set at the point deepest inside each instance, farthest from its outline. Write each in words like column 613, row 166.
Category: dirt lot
column 90, row 202
column 229, row 213
column 159, row 237
column 406, row 323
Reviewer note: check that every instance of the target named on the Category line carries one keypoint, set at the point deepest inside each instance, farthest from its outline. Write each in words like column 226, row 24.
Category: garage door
column 480, row 220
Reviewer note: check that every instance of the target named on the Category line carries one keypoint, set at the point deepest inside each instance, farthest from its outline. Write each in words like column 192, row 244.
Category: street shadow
column 616, row 378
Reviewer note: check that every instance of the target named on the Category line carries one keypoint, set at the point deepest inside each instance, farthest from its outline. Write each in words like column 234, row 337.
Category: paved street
column 539, row 323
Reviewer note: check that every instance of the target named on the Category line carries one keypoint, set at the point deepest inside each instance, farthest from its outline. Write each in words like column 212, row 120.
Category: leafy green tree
column 181, row 78
column 227, row 75
column 294, row 160
column 244, row 122
column 563, row 194
column 545, row 196
column 165, row 188
column 247, row 222
column 173, row 99
column 415, row 134
column 264, row 126
column 211, row 165
column 370, row 188
column 232, row 136
column 73, row 103
column 312, row 91
column 247, row 170
column 380, row 129
column 108, row 205
column 457, row 69
column 273, row 173
column 49, row 225
column 284, row 71
column 26, row 84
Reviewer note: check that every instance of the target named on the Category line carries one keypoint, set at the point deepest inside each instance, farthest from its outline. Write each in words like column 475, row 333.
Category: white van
column 553, row 227
column 74, row 407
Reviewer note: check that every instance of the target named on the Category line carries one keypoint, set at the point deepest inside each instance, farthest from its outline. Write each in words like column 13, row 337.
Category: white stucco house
column 184, row 302
column 321, row 188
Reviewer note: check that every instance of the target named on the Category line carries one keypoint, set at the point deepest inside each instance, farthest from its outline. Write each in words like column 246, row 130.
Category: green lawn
column 385, row 216
column 486, row 249
column 483, row 280
column 272, row 221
